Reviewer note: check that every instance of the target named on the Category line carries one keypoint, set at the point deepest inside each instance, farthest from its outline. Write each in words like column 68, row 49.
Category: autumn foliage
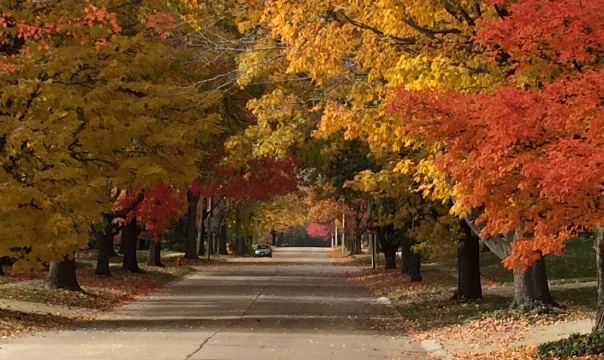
column 529, row 153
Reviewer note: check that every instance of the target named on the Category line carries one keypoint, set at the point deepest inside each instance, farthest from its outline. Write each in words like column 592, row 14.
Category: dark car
column 263, row 250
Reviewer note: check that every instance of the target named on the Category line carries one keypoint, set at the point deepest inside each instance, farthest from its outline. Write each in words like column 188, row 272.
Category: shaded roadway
column 300, row 307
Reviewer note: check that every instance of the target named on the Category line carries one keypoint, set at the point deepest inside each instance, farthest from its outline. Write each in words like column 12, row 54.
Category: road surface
column 299, row 308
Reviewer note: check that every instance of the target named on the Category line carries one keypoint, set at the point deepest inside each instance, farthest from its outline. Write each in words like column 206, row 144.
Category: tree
column 525, row 153
column 90, row 115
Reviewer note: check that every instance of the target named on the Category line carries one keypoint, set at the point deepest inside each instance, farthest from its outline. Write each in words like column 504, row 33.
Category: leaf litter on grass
column 101, row 292
column 15, row 322
column 427, row 312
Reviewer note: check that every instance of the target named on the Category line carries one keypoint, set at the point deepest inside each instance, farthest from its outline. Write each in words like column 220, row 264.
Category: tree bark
column 405, row 259
column 105, row 245
column 388, row 246
column 191, row 242
column 599, row 247
column 130, row 234
column 62, row 275
column 355, row 246
column 120, row 250
column 415, row 263
column 201, row 233
column 154, row 258
column 274, row 237
column 222, row 240
column 468, row 266
column 210, row 248
column 215, row 243
column 531, row 288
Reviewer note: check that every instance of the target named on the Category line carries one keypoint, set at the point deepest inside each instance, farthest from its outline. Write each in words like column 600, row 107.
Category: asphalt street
column 294, row 306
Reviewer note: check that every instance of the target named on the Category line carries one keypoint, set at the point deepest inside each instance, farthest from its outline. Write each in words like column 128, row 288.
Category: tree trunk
column 274, row 237
column 222, row 240
column 240, row 246
column 210, row 248
column 154, row 258
column 191, row 242
column 415, row 263
column 120, row 250
column 130, row 234
column 468, row 266
column 62, row 275
column 388, row 247
column 201, row 232
column 105, row 245
column 405, row 259
column 531, row 288
column 599, row 246
column 355, row 246
column 112, row 252
column 215, row 244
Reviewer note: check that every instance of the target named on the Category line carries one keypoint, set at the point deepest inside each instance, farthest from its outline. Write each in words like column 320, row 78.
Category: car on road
column 263, row 250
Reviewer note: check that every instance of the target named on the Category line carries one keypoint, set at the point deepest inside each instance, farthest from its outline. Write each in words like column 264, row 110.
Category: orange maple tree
column 530, row 153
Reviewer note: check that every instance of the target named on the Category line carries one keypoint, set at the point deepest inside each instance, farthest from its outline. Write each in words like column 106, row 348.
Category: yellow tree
column 88, row 108
column 278, row 214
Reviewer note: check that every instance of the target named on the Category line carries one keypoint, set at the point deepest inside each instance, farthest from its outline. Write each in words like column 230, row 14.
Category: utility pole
column 336, row 237
column 343, row 231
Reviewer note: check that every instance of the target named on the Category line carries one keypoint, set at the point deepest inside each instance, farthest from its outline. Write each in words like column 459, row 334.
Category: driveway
column 296, row 305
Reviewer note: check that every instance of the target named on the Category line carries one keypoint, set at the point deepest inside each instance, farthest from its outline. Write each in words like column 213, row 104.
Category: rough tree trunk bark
column 355, row 246
column 154, row 258
column 405, row 259
column 415, row 263
column 468, row 266
column 529, row 288
column 191, row 242
column 222, row 240
column 215, row 243
column 120, row 250
column 105, row 245
column 201, row 233
column 62, row 275
column 210, row 248
column 599, row 247
column 274, row 237
column 130, row 234
column 388, row 247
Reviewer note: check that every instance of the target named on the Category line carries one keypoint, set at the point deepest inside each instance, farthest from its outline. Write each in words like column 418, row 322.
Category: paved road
column 241, row 311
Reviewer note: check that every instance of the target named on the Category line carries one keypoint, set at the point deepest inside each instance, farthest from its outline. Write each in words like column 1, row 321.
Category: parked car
column 263, row 250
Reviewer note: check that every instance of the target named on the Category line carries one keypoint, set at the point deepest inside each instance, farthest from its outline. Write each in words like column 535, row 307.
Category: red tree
column 319, row 230
column 530, row 156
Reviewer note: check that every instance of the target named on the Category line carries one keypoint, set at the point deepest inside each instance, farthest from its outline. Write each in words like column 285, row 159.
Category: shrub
column 574, row 345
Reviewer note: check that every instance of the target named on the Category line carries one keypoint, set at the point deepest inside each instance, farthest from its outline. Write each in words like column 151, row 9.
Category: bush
column 574, row 345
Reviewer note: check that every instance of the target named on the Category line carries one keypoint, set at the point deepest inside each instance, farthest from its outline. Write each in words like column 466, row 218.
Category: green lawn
column 576, row 264
column 445, row 312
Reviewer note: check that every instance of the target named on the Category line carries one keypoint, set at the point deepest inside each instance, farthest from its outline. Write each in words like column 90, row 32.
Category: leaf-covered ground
column 15, row 322
column 428, row 312
column 101, row 292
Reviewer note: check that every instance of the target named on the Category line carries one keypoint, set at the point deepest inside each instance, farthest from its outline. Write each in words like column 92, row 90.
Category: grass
column 585, row 297
column 576, row 264
column 438, row 313
column 101, row 292
column 16, row 322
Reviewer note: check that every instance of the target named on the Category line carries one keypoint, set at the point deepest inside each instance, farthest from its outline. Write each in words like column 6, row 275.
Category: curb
column 435, row 348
